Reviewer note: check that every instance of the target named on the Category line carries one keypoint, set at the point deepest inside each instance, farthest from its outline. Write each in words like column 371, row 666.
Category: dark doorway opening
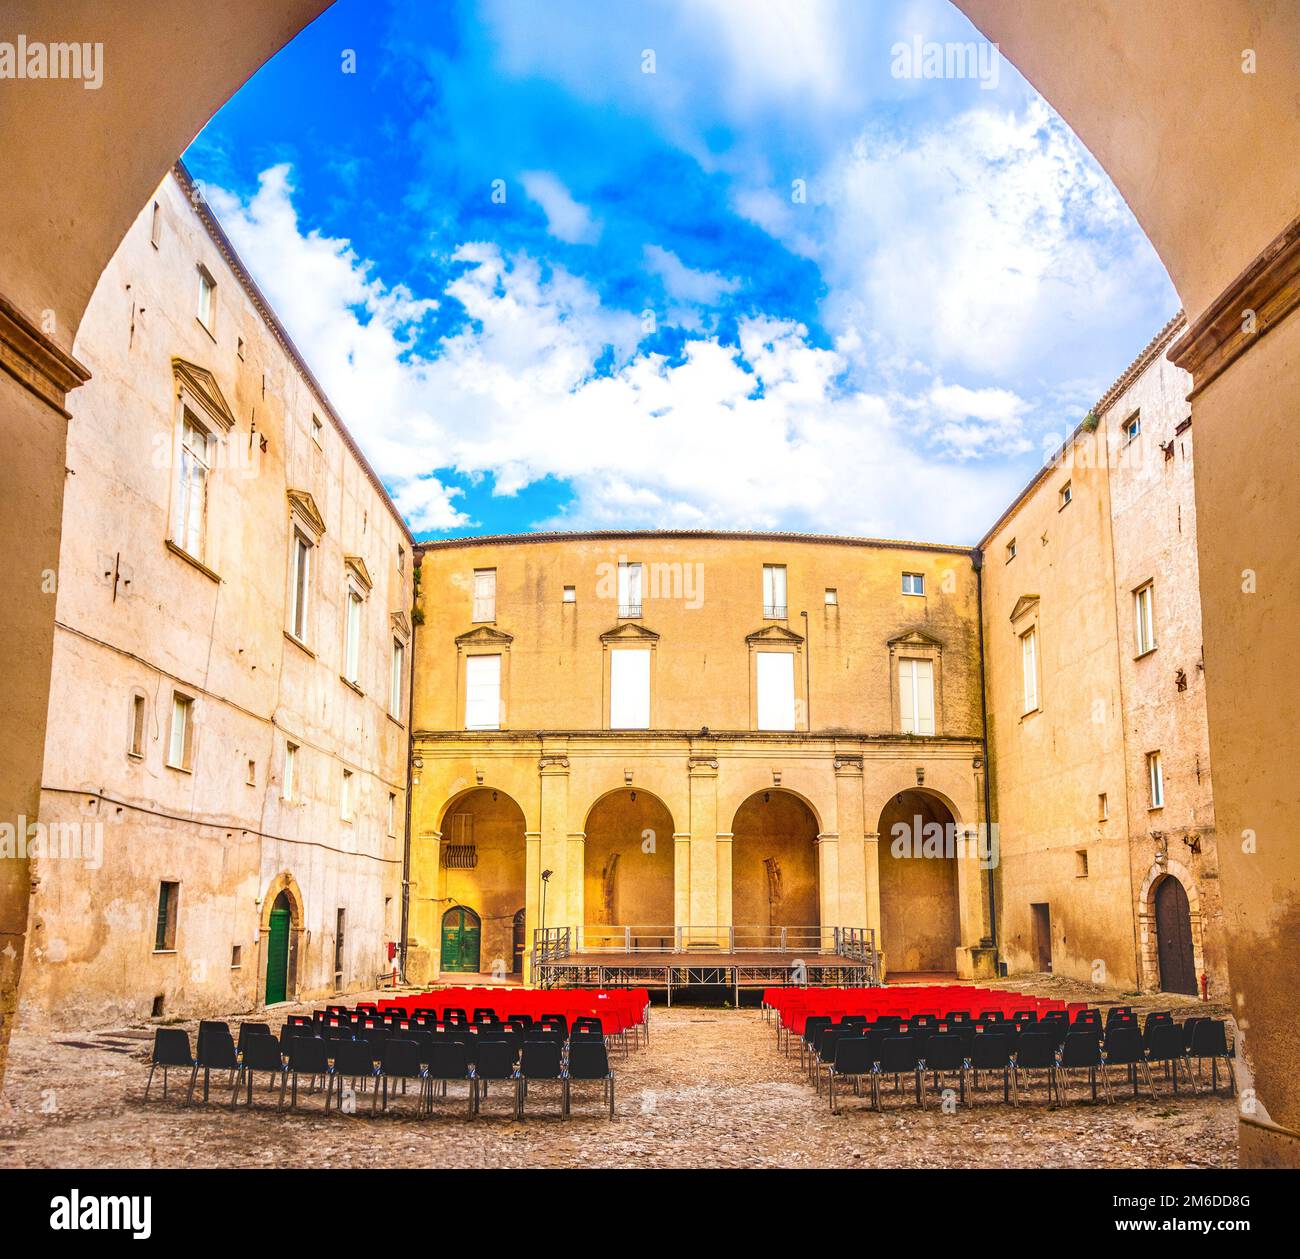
column 1174, row 938
column 277, row 950
column 1042, row 924
column 517, row 951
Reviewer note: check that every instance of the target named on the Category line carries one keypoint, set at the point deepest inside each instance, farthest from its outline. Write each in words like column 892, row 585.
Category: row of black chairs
column 848, row 1051
column 347, row 1066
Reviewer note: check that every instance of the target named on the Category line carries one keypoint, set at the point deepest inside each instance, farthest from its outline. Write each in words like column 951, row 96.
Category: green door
column 460, row 940
column 277, row 956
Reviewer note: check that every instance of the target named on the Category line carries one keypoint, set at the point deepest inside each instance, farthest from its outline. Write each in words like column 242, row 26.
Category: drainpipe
column 977, row 563
column 410, row 776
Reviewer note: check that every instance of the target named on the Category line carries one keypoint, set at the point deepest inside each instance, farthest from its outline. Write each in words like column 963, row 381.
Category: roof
column 596, row 535
column 281, row 334
column 1160, row 342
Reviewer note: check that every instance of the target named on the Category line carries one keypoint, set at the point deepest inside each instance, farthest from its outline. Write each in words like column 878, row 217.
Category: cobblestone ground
column 710, row 1090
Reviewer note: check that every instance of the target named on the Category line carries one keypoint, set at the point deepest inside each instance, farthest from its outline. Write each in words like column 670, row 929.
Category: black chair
column 401, row 1061
column 494, row 1059
column 540, row 1060
column 1118, row 1012
column 1086, row 1018
column 1210, row 1040
column 1081, row 1051
column 990, row 1051
column 823, row 1052
column 898, row 1056
column 812, row 1027
column 448, row 1062
column 957, row 1016
column 1123, row 1048
column 1025, row 1016
column 251, row 1029
column 942, row 1053
column 260, row 1052
column 216, row 1053
column 307, row 1056
column 171, row 1048
column 992, row 1016
column 587, row 1026
column 588, row 1061
column 854, row 1058
column 1164, row 1043
column 353, row 1060
column 1035, row 1051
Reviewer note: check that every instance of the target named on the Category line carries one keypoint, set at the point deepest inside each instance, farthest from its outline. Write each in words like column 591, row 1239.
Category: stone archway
column 282, row 893
column 628, row 869
column 920, row 926
column 1148, row 930
column 774, row 876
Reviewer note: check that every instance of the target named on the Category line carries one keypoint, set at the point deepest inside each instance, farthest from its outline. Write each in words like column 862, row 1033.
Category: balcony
column 630, row 611
column 774, row 611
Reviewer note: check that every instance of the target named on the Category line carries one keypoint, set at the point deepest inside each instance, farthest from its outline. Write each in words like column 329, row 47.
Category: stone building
column 698, row 732
column 1098, row 737
column 224, row 789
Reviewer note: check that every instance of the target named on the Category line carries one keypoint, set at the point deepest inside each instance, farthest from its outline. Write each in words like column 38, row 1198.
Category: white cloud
column 685, row 284
column 566, row 219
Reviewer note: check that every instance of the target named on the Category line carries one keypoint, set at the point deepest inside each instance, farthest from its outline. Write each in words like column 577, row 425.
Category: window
column 629, row 590
column 1080, row 863
column 340, row 926
column 1029, row 668
column 832, row 597
column 301, row 591
column 290, row 771
column 251, row 777
column 180, row 739
column 775, row 690
column 317, row 428
column 570, row 594
column 1144, row 618
column 916, row 696
column 485, row 594
column 239, row 347
column 774, row 604
column 155, row 225
column 236, row 956
column 1132, row 427
column 345, row 797
column 135, row 738
column 482, row 692
column 913, row 583
column 164, row 940
column 392, row 813
column 629, row 689
column 192, row 486
column 1066, row 495
column 397, row 681
column 352, row 640
column 401, row 559
column 1103, row 807
column 1011, row 550
column 207, row 299
column 1156, row 780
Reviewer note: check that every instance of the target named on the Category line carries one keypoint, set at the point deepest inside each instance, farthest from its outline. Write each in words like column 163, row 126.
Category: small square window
column 135, row 736
column 913, row 583
column 1011, row 550
column 236, row 956
column 401, row 559
column 1155, row 780
column 165, row 932
column 485, row 595
column 251, row 779
column 832, row 597
column 1067, row 495
column 290, row 783
column 570, row 594
column 317, row 428
column 1132, row 427
column 180, row 740
column 239, row 347
column 207, row 308
column 1103, row 807
column 345, row 797
column 155, row 225
column 1081, row 863
column 392, row 813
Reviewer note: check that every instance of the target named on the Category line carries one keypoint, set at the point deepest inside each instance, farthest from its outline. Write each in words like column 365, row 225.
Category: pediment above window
column 1024, row 605
column 198, row 389
column 485, row 636
column 773, row 634
column 357, row 567
column 629, row 632
column 914, row 638
column 401, row 623
column 305, row 511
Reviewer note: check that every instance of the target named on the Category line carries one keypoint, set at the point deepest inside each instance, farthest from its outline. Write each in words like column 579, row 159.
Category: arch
column 483, row 868
column 278, row 978
column 1148, row 922
column 919, row 916
column 628, row 865
column 774, row 867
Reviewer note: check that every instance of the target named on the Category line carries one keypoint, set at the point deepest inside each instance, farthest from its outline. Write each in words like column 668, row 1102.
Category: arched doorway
column 774, row 863
column 628, row 868
column 277, row 950
column 918, row 884
column 519, row 942
column 1174, row 945
column 462, row 937
column 483, row 860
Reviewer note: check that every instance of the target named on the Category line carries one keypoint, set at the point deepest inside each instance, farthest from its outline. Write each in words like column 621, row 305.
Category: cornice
column 35, row 361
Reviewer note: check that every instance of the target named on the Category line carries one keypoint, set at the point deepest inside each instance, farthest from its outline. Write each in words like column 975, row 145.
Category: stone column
column 723, row 840
column 851, row 910
column 828, row 886
column 681, row 878
column 532, row 896
column 575, row 866
column 703, row 901
column 871, row 871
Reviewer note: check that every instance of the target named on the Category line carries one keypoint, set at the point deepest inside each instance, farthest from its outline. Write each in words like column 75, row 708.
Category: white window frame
column 346, row 803
column 1029, row 669
column 354, row 608
column 1011, row 550
column 137, row 716
column 775, row 711
column 629, row 688
column 206, row 310
column 289, row 785
column 776, row 606
column 193, row 469
column 915, row 682
column 397, row 679
column 392, row 813
column 300, row 576
column 1133, row 427
column 570, row 594
column 480, row 712
column 1066, row 495
column 631, row 589
column 1144, row 618
column 180, row 732
column 1156, row 780
column 914, row 584
column 484, row 595
column 832, row 597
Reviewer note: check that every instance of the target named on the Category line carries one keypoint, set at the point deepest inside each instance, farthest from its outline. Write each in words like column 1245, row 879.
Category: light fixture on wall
column 634, row 795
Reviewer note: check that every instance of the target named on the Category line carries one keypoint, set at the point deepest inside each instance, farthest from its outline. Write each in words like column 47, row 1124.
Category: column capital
column 726, row 836
column 872, row 837
column 828, row 837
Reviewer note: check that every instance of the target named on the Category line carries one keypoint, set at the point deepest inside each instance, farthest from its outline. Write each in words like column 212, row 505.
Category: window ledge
column 397, row 721
column 206, row 329
column 1031, row 712
column 297, row 642
column 180, row 769
column 1142, row 655
column 165, row 952
column 176, row 549
column 352, row 686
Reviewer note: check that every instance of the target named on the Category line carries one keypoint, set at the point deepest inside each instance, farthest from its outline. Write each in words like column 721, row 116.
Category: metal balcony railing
column 632, row 610
column 775, row 611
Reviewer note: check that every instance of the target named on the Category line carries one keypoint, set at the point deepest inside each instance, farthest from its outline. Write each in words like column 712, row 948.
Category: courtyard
column 710, row 1090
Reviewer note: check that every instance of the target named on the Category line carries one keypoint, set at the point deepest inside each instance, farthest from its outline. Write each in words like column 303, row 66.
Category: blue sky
column 682, row 263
